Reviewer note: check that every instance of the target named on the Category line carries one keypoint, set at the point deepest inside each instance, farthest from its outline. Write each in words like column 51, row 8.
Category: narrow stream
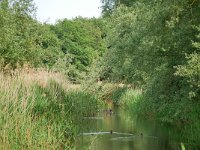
column 120, row 131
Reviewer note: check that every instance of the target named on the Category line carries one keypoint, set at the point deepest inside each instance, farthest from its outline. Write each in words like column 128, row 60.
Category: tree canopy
column 154, row 45
column 73, row 44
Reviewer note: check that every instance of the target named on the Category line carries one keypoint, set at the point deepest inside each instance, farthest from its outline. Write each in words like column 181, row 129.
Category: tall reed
column 41, row 110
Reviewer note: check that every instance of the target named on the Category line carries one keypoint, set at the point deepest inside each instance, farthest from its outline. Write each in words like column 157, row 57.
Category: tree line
column 155, row 45
column 151, row 44
column 70, row 46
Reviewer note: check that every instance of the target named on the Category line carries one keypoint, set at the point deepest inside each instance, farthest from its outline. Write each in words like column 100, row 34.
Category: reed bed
column 38, row 110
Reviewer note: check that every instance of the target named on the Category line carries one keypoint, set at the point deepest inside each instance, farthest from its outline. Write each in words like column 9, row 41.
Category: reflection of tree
column 144, row 132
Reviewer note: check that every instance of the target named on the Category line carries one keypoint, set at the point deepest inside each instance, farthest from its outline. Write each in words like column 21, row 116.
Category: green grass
column 182, row 114
column 133, row 101
column 33, row 116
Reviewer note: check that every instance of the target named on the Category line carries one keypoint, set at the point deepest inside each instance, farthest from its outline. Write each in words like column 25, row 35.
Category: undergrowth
column 35, row 116
column 182, row 114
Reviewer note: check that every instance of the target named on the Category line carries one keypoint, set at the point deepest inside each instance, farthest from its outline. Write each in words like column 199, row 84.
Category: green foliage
column 48, row 46
column 155, row 45
column 191, row 70
column 108, row 6
column 116, row 95
column 81, row 39
column 73, row 43
column 16, row 27
column 37, row 117
column 146, row 43
column 133, row 101
column 22, row 38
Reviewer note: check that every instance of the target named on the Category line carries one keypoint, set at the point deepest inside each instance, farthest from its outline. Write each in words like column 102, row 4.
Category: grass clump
column 132, row 100
column 38, row 116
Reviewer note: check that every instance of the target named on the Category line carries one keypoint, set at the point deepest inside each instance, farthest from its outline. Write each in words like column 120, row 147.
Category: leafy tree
column 17, row 32
column 48, row 46
column 22, row 38
column 81, row 39
column 146, row 42
column 109, row 5
column 191, row 70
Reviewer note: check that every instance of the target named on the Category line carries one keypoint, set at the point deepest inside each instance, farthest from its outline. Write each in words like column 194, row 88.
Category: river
column 120, row 131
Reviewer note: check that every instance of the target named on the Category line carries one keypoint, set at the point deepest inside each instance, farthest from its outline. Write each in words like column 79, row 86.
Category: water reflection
column 119, row 131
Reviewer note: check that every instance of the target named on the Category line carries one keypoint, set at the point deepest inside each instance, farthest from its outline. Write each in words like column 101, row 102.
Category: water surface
column 120, row 131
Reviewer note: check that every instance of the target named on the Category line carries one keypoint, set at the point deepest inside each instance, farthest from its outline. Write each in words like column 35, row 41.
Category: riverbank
column 182, row 115
column 41, row 110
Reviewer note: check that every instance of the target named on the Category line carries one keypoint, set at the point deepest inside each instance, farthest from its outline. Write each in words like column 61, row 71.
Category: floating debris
column 130, row 138
column 111, row 132
column 126, row 138
column 98, row 118
column 95, row 133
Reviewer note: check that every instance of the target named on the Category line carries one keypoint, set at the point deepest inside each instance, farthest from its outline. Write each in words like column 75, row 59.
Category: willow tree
column 147, row 41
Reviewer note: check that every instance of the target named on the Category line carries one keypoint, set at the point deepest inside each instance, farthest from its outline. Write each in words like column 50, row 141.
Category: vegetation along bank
column 52, row 72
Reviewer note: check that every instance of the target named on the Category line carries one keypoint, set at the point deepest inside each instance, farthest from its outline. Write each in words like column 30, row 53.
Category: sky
column 52, row 10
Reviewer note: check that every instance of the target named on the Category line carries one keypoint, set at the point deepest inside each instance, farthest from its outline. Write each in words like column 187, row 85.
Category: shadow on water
column 120, row 131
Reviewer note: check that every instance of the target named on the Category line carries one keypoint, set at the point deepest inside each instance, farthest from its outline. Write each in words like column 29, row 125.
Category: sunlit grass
column 41, row 110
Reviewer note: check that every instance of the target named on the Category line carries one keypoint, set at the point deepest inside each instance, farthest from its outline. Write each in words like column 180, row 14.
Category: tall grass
column 183, row 115
column 132, row 100
column 41, row 110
